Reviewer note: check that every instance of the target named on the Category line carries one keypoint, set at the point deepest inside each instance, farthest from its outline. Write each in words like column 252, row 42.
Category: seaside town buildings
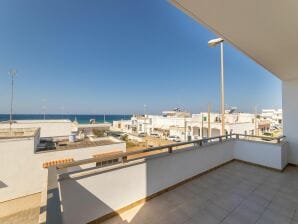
column 47, row 142
column 192, row 127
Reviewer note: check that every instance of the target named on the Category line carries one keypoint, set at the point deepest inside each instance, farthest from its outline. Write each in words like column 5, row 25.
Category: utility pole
column 202, row 126
column 256, row 128
column 185, row 136
column 209, row 126
column 12, row 73
column 145, row 119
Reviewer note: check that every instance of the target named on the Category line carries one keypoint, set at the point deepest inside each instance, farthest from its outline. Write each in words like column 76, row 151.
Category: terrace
column 212, row 179
column 235, row 193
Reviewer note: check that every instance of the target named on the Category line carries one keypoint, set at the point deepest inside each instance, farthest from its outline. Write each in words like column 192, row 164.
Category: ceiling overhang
column 266, row 31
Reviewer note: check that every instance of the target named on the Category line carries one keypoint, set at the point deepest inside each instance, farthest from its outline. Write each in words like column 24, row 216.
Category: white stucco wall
column 21, row 171
column 262, row 153
column 102, row 193
column 48, row 128
column 290, row 117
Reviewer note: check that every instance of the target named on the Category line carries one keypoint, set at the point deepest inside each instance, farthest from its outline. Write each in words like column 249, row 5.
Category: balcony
column 226, row 179
column 236, row 193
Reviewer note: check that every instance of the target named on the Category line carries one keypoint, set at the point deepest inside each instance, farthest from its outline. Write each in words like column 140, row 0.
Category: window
column 106, row 163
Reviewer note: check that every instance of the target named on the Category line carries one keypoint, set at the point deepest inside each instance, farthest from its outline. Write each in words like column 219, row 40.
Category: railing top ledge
column 169, row 147
column 125, row 154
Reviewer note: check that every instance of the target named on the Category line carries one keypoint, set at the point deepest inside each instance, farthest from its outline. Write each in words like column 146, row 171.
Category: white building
column 197, row 126
column 25, row 156
column 122, row 125
column 186, row 126
column 274, row 116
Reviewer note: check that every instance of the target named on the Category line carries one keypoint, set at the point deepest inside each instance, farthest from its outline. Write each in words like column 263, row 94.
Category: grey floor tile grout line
column 241, row 204
column 264, row 210
column 233, row 210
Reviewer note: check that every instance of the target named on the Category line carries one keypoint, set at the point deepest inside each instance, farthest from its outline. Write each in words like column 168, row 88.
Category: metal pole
column 256, row 120
column 11, row 100
column 202, row 129
column 209, row 126
column 12, row 73
column 222, row 90
column 185, row 129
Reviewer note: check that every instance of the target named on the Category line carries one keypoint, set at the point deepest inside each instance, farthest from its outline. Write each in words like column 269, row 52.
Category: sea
column 81, row 119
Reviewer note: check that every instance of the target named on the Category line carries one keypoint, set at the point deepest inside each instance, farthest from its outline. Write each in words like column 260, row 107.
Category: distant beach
column 82, row 119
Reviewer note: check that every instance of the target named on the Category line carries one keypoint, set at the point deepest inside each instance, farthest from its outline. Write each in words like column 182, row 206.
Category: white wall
column 48, row 128
column 103, row 193
column 240, row 128
column 262, row 153
column 21, row 169
column 290, row 117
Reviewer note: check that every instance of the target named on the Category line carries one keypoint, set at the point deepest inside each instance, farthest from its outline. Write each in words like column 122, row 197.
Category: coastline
column 81, row 118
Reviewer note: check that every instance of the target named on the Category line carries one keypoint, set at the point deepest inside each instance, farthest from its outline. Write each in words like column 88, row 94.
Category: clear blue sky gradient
column 114, row 56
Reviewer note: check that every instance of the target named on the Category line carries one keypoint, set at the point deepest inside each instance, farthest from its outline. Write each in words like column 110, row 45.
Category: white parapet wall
column 21, row 170
column 48, row 128
column 262, row 153
column 102, row 192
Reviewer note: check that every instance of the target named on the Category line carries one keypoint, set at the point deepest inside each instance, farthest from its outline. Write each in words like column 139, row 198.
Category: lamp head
column 214, row 42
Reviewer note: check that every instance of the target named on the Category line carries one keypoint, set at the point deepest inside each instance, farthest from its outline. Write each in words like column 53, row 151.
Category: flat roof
column 7, row 133
column 99, row 125
column 36, row 121
column 84, row 143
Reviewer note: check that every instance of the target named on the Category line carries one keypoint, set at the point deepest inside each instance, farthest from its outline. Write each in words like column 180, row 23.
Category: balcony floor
column 236, row 193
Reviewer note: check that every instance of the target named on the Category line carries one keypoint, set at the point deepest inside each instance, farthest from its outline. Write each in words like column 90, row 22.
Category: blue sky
column 113, row 56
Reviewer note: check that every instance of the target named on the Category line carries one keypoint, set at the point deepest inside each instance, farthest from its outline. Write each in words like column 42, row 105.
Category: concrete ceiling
column 265, row 30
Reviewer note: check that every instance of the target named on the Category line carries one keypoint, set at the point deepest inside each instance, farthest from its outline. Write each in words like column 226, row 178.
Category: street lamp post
column 12, row 73
column 213, row 43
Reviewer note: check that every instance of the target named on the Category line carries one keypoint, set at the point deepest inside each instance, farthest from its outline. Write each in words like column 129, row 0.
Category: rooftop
column 17, row 132
column 64, row 144
column 38, row 121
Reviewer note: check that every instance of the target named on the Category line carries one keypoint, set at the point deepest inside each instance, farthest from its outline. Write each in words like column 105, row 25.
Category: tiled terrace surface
column 236, row 193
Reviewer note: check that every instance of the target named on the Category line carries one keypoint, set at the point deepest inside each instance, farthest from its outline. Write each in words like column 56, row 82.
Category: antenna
column 12, row 73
